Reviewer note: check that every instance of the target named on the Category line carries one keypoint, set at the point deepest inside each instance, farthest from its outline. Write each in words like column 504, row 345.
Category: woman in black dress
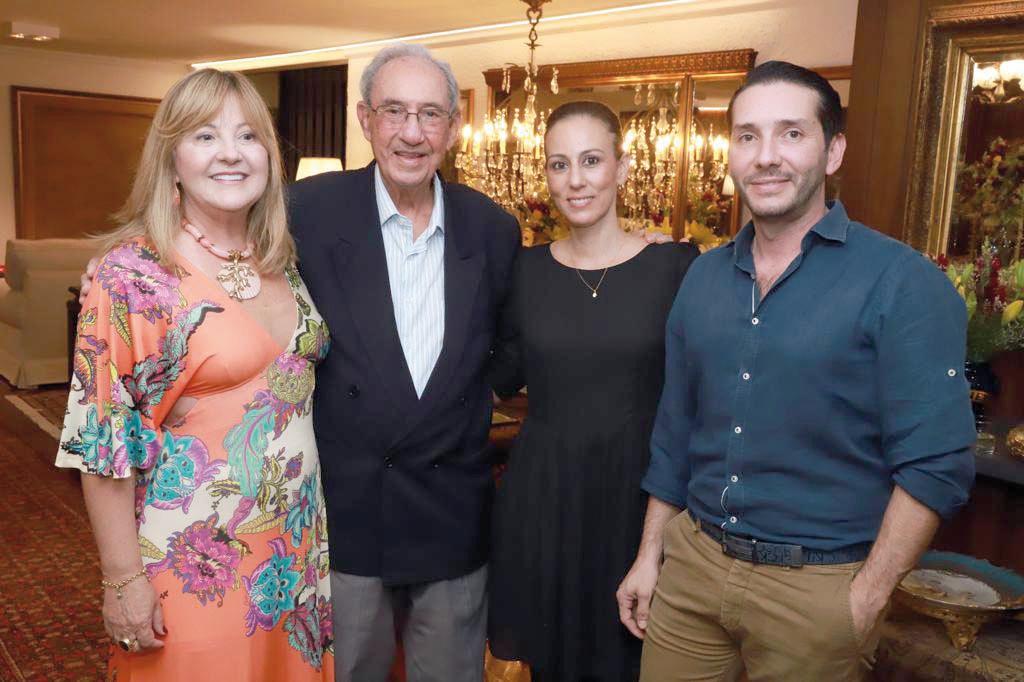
column 585, row 330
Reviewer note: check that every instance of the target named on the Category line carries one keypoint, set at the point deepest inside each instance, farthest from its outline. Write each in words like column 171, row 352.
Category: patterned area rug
column 50, row 626
column 46, row 407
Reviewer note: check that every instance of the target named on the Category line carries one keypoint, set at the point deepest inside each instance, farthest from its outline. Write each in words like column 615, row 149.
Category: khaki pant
column 714, row 616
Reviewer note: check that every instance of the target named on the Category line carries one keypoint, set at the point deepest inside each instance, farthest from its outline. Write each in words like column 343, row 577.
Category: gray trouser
column 443, row 628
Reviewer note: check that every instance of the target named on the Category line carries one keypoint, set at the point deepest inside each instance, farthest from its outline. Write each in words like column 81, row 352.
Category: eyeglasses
column 430, row 118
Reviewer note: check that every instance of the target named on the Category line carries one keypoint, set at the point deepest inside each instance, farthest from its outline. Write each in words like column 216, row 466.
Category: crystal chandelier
column 708, row 189
column 505, row 160
column 653, row 143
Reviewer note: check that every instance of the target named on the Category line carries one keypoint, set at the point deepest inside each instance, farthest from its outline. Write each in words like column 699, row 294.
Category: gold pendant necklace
column 239, row 279
column 593, row 290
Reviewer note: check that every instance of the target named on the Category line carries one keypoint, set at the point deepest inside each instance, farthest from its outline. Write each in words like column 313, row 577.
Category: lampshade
column 314, row 165
column 728, row 188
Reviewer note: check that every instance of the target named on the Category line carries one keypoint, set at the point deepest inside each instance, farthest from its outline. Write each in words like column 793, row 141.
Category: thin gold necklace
column 593, row 289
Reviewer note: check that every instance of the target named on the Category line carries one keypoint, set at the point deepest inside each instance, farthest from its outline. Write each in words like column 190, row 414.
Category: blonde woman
column 190, row 408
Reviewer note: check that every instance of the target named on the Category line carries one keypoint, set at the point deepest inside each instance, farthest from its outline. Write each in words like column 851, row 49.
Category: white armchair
column 33, row 308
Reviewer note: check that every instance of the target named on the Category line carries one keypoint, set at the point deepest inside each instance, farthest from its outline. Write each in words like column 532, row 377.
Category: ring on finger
column 129, row 644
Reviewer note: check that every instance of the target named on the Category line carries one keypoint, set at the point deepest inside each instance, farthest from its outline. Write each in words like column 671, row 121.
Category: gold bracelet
column 119, row 586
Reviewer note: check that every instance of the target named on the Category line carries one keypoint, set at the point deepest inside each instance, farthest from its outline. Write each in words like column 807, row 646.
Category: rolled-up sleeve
column 927, row 424
column 668, row 474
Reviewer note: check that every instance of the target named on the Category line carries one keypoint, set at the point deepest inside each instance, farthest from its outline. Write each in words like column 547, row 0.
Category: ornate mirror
column 967, row 182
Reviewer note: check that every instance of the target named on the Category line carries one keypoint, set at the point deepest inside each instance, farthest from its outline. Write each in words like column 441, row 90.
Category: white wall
column 66, row 71
column 808, row 32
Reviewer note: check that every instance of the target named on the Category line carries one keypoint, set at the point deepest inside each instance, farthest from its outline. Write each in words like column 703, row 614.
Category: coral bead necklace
column 239, row 279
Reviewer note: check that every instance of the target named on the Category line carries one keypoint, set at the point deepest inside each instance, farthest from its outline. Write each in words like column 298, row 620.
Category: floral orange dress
column 229, row 503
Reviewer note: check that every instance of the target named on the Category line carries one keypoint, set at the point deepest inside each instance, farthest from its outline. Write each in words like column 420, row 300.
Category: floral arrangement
column 994, row 296
column 656, row 222
column 990, row 193
column 540, row 221
column 703, row 236
column 706, row 204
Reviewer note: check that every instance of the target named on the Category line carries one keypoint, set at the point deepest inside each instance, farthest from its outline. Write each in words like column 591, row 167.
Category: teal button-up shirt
column 789, row 419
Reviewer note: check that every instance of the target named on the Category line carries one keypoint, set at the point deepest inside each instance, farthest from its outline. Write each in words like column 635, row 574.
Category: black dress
column 569, row 510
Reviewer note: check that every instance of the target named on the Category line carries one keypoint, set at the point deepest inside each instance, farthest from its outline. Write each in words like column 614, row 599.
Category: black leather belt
column 778, row 554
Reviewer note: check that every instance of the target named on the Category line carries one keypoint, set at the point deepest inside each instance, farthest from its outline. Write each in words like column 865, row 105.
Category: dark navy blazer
column 407, row 480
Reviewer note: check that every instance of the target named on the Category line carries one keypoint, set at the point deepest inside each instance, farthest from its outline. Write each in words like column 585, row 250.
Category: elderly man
column 815, row 422
column 410, row 273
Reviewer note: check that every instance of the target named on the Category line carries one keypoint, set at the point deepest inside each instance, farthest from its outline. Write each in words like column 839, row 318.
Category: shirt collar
column 833, row 226
column 386, row 208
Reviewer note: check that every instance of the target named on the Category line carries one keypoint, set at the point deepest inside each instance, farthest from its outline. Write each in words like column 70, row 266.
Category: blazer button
column 353, row 391
column 388, row 462
column 463, row 401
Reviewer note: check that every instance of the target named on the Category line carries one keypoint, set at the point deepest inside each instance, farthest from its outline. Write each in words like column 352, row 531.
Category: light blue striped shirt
column 416, row 274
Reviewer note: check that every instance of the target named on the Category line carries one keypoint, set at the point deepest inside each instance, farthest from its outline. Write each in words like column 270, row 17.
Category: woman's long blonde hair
column 152, row 211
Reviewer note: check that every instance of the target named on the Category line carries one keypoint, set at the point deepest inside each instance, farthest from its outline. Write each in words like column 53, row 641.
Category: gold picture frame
column 954, row 34
column 466, row 106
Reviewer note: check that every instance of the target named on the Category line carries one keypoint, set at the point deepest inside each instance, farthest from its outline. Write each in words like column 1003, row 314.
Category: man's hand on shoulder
column 654, row 237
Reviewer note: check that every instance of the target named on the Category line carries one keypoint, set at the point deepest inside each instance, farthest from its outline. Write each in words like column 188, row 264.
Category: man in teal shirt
column 815, row 423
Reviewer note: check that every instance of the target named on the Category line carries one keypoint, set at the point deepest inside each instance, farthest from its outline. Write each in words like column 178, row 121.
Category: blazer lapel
column 362, row 270
column 463, row 267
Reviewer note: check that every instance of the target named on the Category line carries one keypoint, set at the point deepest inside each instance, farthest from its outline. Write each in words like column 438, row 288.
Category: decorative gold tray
column 963, row 592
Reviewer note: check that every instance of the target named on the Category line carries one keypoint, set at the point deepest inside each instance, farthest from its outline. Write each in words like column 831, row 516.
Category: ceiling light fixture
column 21, row 30
column 299, row 57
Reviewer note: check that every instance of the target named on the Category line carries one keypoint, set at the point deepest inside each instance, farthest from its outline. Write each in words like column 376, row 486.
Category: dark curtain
column 311, row 114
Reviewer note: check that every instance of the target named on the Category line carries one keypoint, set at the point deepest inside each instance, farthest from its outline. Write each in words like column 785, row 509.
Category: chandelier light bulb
column 627, row 143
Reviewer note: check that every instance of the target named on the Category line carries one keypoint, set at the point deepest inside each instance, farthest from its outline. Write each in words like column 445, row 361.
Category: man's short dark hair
column 830, row 108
